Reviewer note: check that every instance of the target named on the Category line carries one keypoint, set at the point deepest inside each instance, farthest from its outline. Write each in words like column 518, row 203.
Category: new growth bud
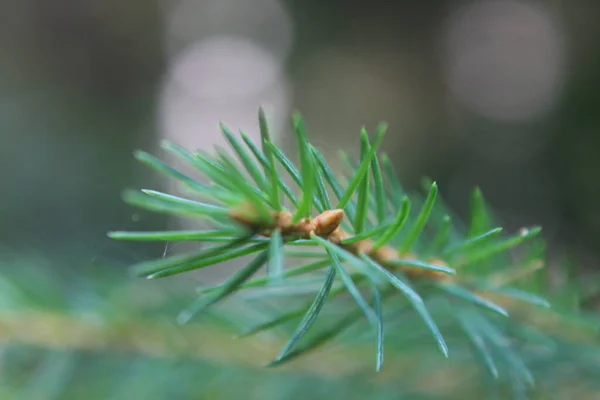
column 327, row 222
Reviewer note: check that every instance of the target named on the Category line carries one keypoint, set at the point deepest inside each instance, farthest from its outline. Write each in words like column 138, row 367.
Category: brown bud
column 327, row 222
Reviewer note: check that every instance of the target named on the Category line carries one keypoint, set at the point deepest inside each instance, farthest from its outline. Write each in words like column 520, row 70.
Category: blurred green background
column 504, row 95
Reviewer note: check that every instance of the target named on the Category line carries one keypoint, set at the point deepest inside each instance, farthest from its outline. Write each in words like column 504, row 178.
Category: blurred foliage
column 108, row 339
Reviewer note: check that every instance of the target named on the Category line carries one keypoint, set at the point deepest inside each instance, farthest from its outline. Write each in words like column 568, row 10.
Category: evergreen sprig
column 375, row 240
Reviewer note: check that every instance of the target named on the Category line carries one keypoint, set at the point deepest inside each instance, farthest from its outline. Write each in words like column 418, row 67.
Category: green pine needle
column 318, row 340
column 380, row 333
column 258, row 282
column 149, row 201
column 472, row 242
column 473, row 298
column 307, row 171
column 152, row 266
column 204, row 259
column 275, row 266
column 336, row 187
column 422, row 218
column 423, row 265
column 326, row 335
column 397, row 225
column 274, row 151
column 479, row 344
column 251, row 166
column 286, row 163
column 175, row 236
column 344, row 255
column 322, row 196
column 352, row 289
column 274, row 323
column 521, row 295
column 160, row 166
column 271, row 170
column 363, row 168
column 254, row 195
column 288, row 316
column 489, row 250
column 362, row 206
column 414, row 299
column 310, row 316
column 194, row 206
column 230, row 286
column 379, row 189
column 498, row 340
column 328, row 174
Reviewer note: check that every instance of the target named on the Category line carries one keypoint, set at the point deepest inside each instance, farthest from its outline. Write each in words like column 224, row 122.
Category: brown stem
column 327, row 226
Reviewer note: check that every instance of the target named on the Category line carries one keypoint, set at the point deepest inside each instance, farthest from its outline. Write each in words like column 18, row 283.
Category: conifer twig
column 382, row 247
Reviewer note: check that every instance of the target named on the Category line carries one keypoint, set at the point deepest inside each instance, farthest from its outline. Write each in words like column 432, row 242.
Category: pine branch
column 371, row 240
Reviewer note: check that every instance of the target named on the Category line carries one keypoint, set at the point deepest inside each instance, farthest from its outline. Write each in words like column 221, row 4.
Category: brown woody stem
column 327, row 226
